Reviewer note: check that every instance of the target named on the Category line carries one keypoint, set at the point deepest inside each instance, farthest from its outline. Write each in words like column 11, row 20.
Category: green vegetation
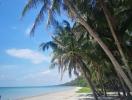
column 80, row 81
column 84, row 90
column 98, row 45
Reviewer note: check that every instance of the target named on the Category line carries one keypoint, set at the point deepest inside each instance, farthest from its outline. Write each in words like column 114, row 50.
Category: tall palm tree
column 92, row 32
column 67, row 55
column 51, row 6
column 75, row 53
column 112, row 27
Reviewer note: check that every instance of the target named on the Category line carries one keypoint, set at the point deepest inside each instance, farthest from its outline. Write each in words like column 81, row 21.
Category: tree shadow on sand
column 90, row 97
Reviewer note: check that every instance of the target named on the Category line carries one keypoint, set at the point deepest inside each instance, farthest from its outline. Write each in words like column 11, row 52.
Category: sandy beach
column 71, row 95
column 63, row 95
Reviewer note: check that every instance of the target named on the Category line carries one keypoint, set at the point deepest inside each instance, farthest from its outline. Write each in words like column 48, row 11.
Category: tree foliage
column 98, row 45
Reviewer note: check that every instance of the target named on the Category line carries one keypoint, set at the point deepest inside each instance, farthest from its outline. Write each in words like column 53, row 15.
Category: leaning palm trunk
column 90, row 84
column 117, row 67
column 102, row 86
column 123, row 85
column 85, row 72
column 101, row 43
column 108, row 18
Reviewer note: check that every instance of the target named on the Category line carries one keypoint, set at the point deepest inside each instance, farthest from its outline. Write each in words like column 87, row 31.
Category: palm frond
column 59, row 43
column 45, row 46
column 66, row 25
column 57, row 5
column 30, row 4
column 38, row 19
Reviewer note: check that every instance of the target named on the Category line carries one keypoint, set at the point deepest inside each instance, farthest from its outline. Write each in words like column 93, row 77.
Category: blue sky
column 22, row 63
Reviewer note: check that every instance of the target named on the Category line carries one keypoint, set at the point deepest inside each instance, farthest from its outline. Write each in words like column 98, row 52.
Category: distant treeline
column 80, row 81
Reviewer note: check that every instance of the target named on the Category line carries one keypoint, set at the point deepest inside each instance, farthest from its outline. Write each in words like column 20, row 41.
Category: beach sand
column 71, row 95
column 63, row 95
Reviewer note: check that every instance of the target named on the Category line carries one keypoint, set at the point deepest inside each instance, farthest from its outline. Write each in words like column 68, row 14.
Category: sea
column 16, row 93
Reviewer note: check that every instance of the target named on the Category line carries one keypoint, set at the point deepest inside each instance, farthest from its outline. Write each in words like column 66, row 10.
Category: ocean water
column 15, row 93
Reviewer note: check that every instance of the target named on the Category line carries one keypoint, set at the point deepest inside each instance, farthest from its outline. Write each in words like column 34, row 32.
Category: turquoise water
column 13, row 93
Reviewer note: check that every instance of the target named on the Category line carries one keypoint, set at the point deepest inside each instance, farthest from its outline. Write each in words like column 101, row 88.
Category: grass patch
column 84, row 90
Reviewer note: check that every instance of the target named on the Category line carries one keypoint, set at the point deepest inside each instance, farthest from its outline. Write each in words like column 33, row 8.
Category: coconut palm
column 75, row 55
column 68, row 54
column 113, row 29
column 51, row 6
column 92, row 32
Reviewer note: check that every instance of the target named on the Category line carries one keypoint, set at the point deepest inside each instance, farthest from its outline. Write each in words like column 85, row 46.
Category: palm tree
column 112, row 27
column 75, row 53
column 67, row 55
column 92, row 32
column 51, row 6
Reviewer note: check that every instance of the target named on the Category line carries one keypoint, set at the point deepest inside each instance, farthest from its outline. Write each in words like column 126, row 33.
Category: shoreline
column 68, row 94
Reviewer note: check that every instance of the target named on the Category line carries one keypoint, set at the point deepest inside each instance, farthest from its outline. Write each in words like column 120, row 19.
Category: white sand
column 69, row 95
column 64, row 95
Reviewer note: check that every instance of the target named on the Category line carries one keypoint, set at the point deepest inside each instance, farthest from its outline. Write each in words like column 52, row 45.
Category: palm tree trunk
column 85, row 72
column 118, row 68
column 110, row 23
column 102, row 87
column 101, row 43
column 123, row 85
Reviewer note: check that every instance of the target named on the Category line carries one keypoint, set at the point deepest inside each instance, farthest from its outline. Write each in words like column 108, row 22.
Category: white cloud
column 37, row 75
column 45, row 72
column 33, row 56
column 46, row 77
